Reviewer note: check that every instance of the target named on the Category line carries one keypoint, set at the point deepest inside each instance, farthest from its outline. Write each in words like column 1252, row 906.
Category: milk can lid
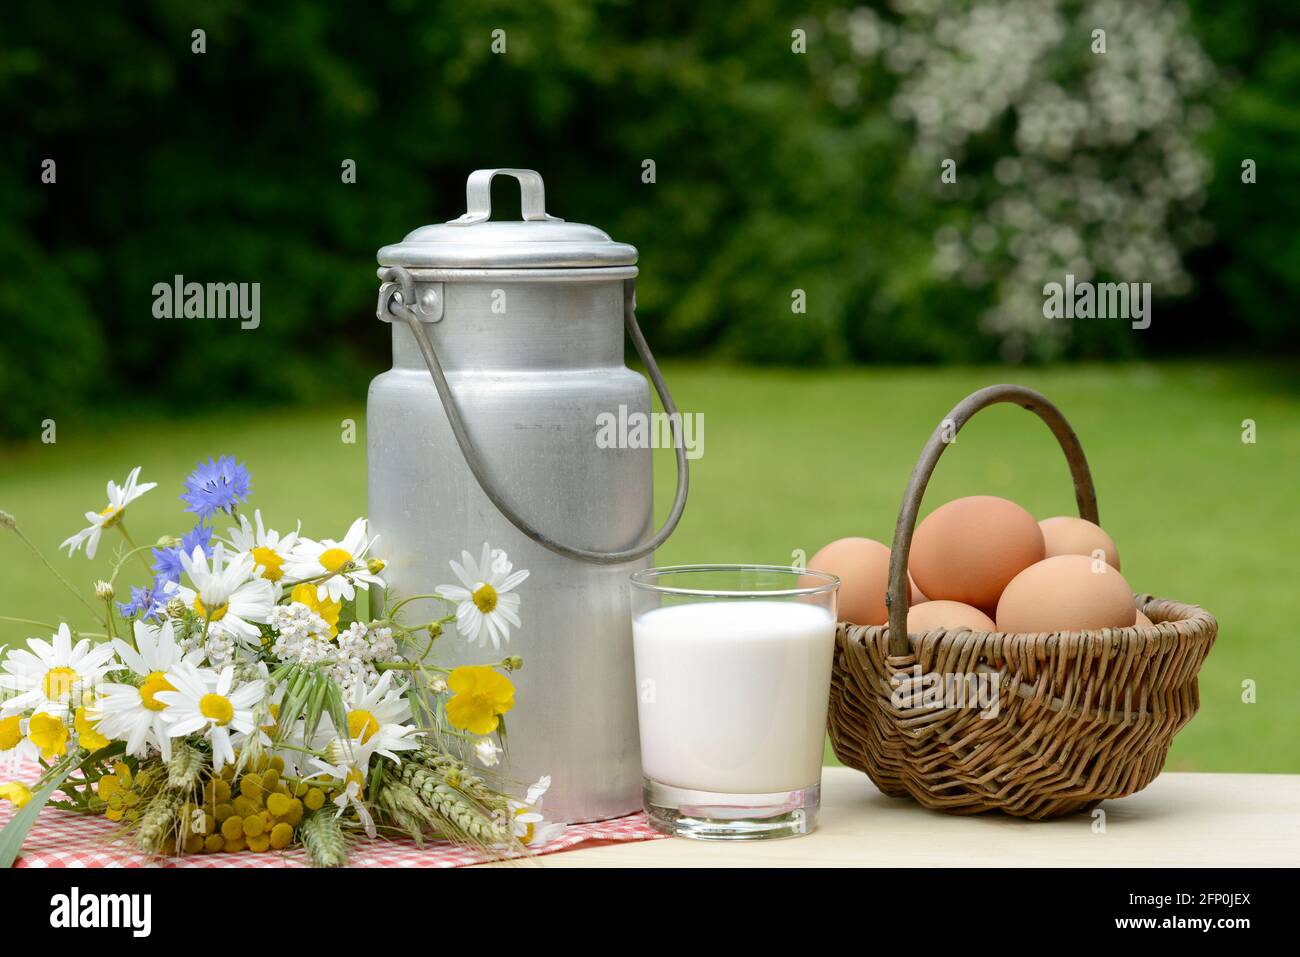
column 539, row 241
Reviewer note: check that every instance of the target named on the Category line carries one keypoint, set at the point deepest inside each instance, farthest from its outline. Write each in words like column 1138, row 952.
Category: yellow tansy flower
column 480, row 695
column 87, row 736
column 17, row 792
column 49, row 734
column 305, row 594
column 11, row 732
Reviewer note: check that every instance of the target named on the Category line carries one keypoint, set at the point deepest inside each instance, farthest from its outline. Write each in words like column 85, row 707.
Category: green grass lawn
column 793, row 459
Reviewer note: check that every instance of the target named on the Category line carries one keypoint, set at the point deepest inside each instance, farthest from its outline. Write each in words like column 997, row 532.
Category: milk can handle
column 478, row 196
column 402, row 278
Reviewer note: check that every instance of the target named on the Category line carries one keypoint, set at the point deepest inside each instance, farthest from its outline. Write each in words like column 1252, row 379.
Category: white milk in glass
column 732, row 694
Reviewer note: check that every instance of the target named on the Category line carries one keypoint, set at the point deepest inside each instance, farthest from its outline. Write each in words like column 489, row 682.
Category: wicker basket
column 1079, row 716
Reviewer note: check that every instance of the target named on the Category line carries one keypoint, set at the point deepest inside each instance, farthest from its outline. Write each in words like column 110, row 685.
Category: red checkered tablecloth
column 62, row 838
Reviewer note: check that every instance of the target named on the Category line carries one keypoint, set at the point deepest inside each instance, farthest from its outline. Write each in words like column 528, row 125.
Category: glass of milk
column 733, row 671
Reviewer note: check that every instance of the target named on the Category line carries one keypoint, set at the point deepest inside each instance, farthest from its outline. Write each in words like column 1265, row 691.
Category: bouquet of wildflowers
column 261, row 690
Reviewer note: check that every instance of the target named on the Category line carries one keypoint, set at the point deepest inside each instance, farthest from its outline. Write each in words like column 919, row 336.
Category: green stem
column 318, row 779
column 52, row 770
column 316, row 580
column 48, row 626
column 406, row 601
column 447, row 732
column 29, row 621
column 407, row 666
column 117, row 569
column 293, row 747
column 291, row 585
column 432, row 637
column 421, row 666
column 54, row 571
column 121, row 527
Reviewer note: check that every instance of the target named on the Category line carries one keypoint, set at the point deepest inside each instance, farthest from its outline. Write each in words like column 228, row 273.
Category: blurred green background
column 748, row 150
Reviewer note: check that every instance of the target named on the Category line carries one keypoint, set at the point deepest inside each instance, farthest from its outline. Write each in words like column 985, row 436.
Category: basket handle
column 1084, row 493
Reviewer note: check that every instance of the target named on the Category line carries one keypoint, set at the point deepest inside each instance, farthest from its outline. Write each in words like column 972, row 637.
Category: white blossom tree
column 1072, row 129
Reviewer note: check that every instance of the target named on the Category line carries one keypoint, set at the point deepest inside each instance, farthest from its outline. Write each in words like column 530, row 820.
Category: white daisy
column 227, row 595
column 376, row 719
column 266, row 714
column 15, row 746
column 527, row 822
column 485, row 608
column 270, row 549
column 350, row 769
column 119, row 497
column 289, row 744
column 287, row 750
column 338, row 565
column 204, row 703
column 48, row 675
column 135, row 714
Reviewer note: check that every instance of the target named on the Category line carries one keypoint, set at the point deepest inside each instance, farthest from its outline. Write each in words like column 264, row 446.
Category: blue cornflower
column 148, row 602
column 167, row 561
column 216, row 487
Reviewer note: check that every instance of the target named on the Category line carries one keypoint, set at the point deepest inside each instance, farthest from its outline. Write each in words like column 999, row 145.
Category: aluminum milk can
column 507, row 349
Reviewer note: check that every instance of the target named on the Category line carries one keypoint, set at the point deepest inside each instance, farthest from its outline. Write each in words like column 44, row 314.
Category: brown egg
column 968, row 549
column 1069, row 535
column 918, row 597
column 1066, row 593
column 1144, row 620
column 947, row 614
column 863, row 567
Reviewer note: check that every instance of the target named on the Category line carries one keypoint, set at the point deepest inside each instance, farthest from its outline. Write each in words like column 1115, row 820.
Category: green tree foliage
column 226, row 166
column 1252, row 271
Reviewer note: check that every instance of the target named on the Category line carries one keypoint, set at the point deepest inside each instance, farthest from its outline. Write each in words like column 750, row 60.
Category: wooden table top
column 1180, row 819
